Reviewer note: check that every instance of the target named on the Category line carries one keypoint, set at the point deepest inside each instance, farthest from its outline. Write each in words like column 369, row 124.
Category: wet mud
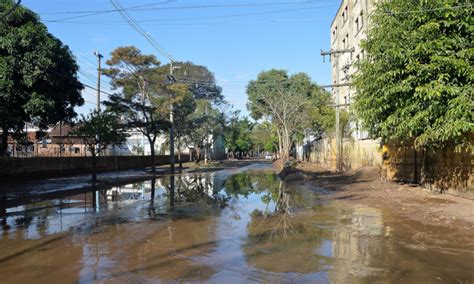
column 234, row 225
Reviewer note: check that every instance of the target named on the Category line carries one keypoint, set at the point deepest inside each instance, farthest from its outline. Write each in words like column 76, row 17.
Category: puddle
column 232, row 225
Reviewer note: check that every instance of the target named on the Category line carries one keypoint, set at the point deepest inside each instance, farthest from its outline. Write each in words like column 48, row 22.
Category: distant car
column 268, row 157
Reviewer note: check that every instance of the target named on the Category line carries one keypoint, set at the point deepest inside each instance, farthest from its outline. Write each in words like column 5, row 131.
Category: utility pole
column 172, row 80
column 172, row 124
column 337, row 105
column 99, row 57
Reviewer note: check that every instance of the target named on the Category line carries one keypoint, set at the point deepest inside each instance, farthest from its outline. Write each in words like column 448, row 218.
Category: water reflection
column 246, row 227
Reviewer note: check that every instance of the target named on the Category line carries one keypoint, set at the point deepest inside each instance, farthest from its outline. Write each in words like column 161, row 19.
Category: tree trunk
column 94, row 166
column 285, row 144
column 152, row 152
column 280, row 150
column 4, row 143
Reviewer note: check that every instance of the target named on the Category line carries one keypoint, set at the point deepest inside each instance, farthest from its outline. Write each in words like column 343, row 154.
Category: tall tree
column 38, row 81
column 98, row 131
column 289, row 102
column 238, row 136
column 196, row 128
column 200, row 81
column 207, row 123
column 140, row 103
column 417, row 78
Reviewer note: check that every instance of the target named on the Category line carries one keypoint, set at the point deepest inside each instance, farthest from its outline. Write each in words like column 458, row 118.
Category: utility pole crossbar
column 335, row 51
column 336, row 85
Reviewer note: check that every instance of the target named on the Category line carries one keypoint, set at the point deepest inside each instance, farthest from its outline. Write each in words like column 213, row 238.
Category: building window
column 334, row 34
column 361, row 19
column 345, row 41
column 357, row 24
column 344, row 14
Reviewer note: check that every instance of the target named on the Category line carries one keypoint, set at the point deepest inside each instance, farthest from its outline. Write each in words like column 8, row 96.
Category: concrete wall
column 355, row 153
column 39, row 167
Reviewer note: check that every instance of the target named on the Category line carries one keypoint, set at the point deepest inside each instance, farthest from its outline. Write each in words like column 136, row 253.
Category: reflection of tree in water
column 243, row 184
column 198, row 188
column 281, row 238
column 276, row 219
column 275, row 223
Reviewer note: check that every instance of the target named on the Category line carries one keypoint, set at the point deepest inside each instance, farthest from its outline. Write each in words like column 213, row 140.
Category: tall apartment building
column 348, row 28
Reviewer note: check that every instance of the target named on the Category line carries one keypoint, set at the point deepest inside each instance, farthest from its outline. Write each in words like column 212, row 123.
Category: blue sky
column 235, row 42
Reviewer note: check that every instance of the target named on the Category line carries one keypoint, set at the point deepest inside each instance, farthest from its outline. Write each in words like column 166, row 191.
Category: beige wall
column 355, row 153
column 441, row 170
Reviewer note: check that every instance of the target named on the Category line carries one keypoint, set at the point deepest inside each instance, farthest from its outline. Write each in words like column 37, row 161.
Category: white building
column 349, row 27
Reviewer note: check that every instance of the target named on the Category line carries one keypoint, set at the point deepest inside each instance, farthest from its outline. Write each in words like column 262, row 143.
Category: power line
column 137, row 28
column 94, row 13
column 146, row 8
column 259, row 13
column 220, row 16
column 93, row 88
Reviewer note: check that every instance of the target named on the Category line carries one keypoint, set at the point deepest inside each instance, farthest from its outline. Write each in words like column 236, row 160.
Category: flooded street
column 236, row 225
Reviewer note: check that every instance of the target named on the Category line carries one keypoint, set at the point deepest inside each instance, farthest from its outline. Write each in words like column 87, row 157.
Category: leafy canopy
column 417, row 78
column 293, row 104
column 38, row 81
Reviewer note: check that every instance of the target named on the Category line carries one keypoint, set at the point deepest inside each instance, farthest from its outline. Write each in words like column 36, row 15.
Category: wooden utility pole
column 99, row 57
column 339, row 131
column 172, row 80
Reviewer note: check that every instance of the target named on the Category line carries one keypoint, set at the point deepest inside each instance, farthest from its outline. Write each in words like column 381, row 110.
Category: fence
column 39, row 167
column 444, row 169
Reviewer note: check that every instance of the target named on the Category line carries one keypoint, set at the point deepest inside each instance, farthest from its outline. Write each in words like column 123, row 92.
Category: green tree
column 98, row 131
column 238, row 137
column 417, row 78
column 293, row 104
column 264, row 137
column 207, row 124
column 200, row 81
column 38, row 81
column 143, row 93
column 191, row 129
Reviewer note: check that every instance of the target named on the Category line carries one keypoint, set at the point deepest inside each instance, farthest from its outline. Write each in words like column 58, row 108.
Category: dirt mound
column 284, row 169
column 295, row 177
column 367, row 173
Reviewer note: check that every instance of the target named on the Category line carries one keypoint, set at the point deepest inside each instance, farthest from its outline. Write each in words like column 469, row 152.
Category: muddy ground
column 412, row 202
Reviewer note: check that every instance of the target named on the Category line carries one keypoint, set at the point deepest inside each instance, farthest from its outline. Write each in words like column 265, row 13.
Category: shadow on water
column 234, row 226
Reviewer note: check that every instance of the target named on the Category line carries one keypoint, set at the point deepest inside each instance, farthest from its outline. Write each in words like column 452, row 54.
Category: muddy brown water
column 232, row 226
